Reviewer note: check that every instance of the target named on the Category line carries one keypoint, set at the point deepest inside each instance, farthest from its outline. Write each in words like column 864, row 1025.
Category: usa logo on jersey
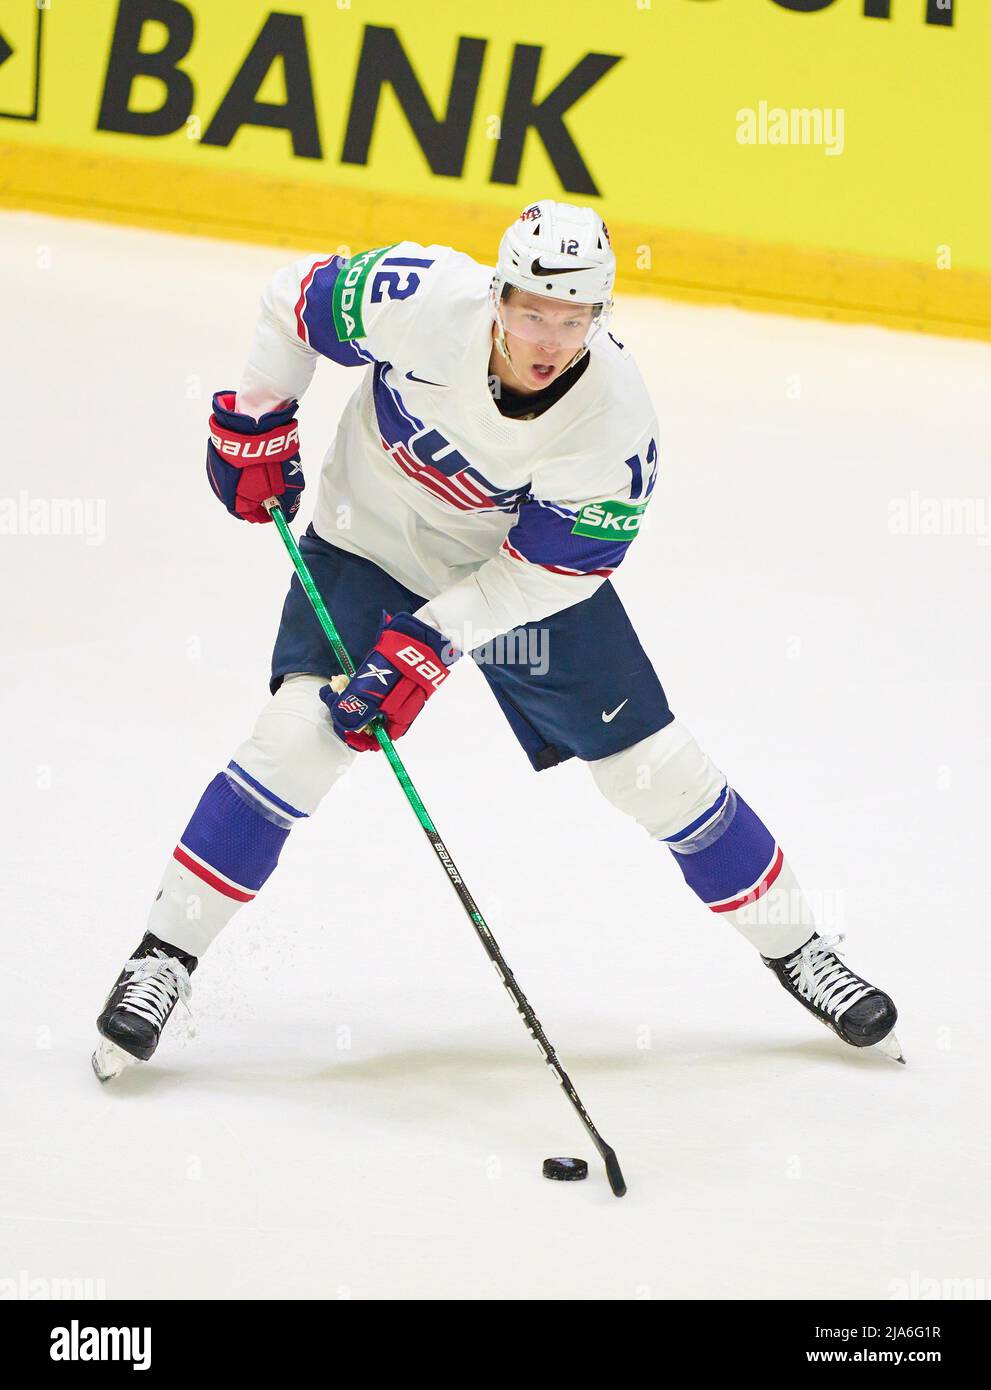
column 430, row 460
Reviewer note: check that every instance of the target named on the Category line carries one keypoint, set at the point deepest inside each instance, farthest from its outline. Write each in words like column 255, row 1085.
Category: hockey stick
column 489, row 943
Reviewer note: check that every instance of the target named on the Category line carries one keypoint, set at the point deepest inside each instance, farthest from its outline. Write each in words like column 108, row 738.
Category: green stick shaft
column 347, row 665
column 312, row 592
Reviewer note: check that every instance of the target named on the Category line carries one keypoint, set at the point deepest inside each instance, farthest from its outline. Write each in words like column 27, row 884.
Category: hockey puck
column 565, row 1169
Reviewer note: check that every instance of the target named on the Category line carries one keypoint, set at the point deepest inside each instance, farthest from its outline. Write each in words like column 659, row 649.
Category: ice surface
column 362, row 1114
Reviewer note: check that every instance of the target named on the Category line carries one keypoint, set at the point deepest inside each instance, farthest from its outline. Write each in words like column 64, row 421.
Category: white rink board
column 361, row 1114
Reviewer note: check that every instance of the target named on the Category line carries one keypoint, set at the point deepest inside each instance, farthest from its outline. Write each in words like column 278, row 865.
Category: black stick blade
column 614, row 1173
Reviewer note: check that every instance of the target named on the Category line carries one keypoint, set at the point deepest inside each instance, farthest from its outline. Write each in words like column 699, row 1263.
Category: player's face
column 543, row 335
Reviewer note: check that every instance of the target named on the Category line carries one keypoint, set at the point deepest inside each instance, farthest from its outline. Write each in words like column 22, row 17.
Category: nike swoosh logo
column 608, row 718
column 411, row 376
column 538, row 269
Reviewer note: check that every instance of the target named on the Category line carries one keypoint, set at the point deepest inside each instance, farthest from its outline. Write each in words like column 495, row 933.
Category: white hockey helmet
column 560, row 251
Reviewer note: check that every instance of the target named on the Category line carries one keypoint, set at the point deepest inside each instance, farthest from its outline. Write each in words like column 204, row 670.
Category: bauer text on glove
column 248, row 461
column 407, row 664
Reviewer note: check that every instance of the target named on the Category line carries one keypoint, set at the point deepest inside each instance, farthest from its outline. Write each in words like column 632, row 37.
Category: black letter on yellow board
column 127, row 61
column 443, row 140
column 937, row 11
column 282, row 36
column 805, row 6
column 520, row 112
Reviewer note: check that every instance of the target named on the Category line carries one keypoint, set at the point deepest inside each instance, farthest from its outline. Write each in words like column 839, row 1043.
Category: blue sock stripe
column 699, row 821
column 264, row 791
column 232, row 836
column 733, row 861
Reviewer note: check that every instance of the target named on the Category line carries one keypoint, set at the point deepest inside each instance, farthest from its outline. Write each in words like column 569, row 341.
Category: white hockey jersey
column 495, row 521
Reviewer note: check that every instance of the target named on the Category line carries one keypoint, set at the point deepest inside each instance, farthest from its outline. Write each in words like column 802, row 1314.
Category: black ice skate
column 856, row 1011
column 152, row 982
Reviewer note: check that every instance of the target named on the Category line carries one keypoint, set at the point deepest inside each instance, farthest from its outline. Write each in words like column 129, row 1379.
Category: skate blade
column 109, row 1060
column 890, row 1047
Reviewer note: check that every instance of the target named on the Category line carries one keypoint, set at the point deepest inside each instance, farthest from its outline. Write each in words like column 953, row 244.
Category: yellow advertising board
column 817, row 156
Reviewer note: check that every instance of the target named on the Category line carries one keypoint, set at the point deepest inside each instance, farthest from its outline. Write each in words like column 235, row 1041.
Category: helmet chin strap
column 503, row 347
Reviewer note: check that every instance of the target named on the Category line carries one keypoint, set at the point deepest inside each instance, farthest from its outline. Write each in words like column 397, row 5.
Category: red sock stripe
column 758, row 891
column 201, row 871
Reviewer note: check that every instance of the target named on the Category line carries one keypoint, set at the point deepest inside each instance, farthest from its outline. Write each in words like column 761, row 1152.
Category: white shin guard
column 664, row 782
column 282, row 772
column 675, row 791
column 293, row 750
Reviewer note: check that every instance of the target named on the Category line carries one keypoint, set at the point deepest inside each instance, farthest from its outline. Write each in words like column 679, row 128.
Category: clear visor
column 550, row 323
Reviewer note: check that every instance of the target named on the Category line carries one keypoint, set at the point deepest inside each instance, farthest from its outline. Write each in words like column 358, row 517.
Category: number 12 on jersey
column 393, row 284
column 637, row 491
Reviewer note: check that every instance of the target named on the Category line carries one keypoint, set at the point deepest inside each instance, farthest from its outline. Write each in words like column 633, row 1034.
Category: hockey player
column 493, row 466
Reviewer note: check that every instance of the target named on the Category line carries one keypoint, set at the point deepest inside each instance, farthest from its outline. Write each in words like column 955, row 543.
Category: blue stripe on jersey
column 317, row 315
column 428, row 447
column 542, row 535
column 395, row 422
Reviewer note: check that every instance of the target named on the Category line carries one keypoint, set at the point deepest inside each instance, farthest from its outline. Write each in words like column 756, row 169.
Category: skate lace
column 823, row 979
column 155, row 984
